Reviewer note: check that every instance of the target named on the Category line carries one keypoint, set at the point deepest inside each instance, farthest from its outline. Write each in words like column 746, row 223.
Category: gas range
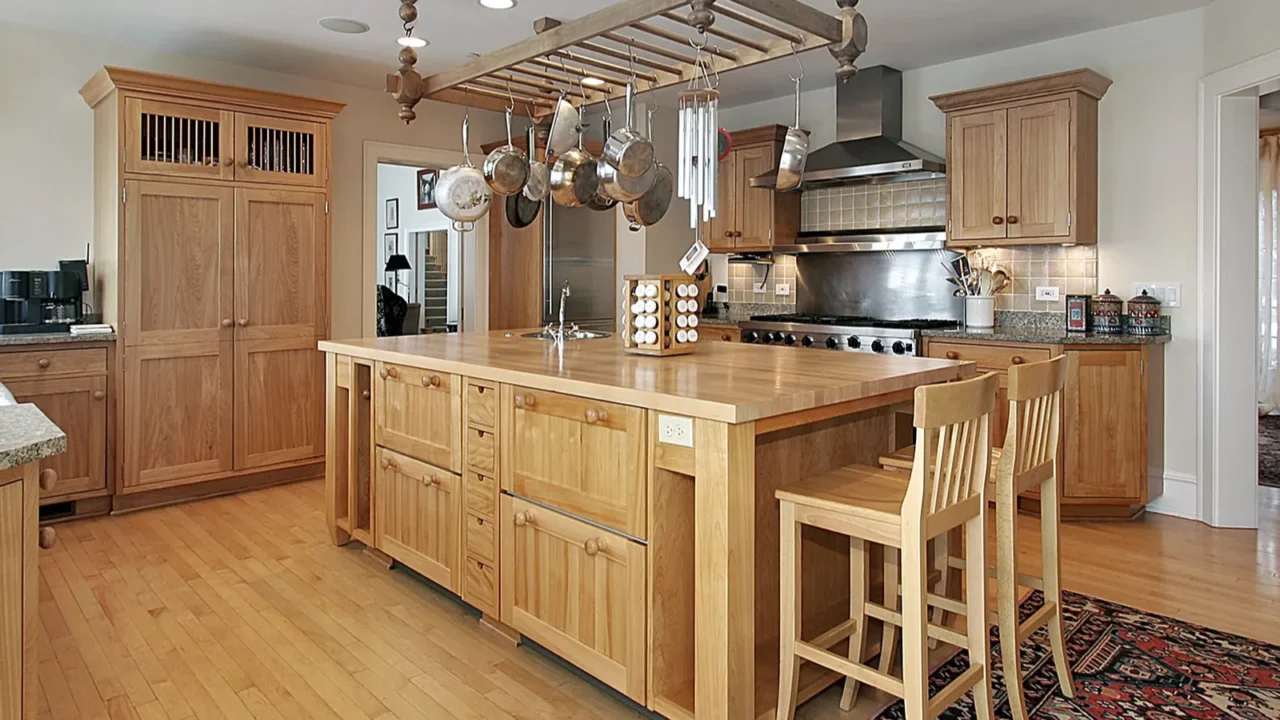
column 841, row 332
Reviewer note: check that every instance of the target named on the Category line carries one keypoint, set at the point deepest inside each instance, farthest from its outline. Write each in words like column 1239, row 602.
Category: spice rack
column 660, row 314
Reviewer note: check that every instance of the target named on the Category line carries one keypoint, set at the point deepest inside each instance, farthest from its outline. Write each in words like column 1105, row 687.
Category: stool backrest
column 1035, row 408
column 953, row 444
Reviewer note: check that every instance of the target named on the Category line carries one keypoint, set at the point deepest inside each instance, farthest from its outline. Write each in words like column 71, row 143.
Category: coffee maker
column 40, row 301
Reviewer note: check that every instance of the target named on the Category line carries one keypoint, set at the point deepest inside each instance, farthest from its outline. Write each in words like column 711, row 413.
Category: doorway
column 1268, row 385
column 419, row 283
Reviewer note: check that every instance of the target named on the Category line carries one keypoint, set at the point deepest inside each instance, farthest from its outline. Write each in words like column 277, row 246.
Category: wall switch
column 1169, row 294
column 1047, row 293
column 782, row 289
column 675, row 430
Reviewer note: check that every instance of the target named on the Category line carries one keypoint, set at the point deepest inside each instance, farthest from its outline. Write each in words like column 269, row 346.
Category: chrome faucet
column 557, row 332
column 565, row 292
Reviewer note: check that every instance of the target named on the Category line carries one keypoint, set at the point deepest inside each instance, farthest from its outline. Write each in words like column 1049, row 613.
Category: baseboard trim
column 308, row 470
column 1180, row 497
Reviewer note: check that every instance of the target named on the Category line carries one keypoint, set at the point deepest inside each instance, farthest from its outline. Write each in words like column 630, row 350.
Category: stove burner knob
column 750, row 336
column 775, row 337
column 855, row 342
column 790, row 339
column 832, row 343
column 898, row 348
column 807, row 341
column 877, row 346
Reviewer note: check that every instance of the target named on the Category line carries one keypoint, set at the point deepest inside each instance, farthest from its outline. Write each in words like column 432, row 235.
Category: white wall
column 1239, row 30
column 46, row 142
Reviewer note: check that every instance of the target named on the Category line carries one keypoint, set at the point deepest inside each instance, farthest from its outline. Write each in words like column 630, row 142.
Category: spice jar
column 1144, row 315
column 1104, row 314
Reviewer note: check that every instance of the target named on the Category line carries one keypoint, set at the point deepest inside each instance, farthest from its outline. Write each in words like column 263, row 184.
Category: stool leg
column 941, row 555
column 858, row 582
column 915, row 617
column 975, row 541
column 789, row 612
column 1007, row 601
column 889, row 635
column 1052, row 564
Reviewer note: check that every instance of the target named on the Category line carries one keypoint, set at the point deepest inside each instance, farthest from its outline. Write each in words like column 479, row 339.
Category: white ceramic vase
column 980, row 311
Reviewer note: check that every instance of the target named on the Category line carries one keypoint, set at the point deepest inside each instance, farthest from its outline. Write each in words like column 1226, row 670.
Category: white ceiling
column 283, row 35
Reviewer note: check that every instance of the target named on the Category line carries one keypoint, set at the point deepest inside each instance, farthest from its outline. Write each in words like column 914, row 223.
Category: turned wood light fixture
column 581, row 56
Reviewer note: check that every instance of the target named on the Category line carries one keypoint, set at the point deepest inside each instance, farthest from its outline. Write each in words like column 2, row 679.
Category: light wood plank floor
column 237, row 607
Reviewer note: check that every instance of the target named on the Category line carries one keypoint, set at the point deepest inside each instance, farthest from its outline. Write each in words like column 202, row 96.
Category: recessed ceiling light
column 498, row 4
column 592, row 81
column 344, row 25
column 411, row 41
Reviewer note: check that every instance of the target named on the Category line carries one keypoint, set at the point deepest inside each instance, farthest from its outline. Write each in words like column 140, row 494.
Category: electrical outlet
column 759, row 288
column 1047, row 293
column 782, row 289
column 675, row 430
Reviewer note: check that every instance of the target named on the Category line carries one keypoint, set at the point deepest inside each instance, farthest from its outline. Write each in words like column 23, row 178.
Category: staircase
column 435, row 295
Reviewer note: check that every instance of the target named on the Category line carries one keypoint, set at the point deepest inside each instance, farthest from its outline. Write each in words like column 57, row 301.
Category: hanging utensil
column 565, row 127
column 574, row 178
column 795, row 148
column 600, row 200
column 653, row 205
column 629, row 152
column 521, row 211
column 506, row 169
column 462, row 195
column 539, row 184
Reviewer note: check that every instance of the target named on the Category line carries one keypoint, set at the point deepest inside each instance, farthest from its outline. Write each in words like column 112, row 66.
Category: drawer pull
column 480, row 389
column 42, row 363
column 480, row 522
column 524, row 401
column 430, row 480
column 524, row 518
column 1013, row 219
column 997, row 220
column 365, row 394
column 953, row 355
column 431, row 381
column 99, row 395
column 389, row 462
column 594, row 416
column 228, row 322
column 244, row 322
column 725, row 337
column 480, row 434
column 48, row 538
column 382, row 373
column 594, row 546
column 393, row 373
column 48, row 478
column 1017, row 360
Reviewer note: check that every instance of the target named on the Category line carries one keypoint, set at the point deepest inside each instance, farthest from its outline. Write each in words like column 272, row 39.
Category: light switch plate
column 782, row 289
column 675, row 430
column 1169, row 294
column 1047, row 293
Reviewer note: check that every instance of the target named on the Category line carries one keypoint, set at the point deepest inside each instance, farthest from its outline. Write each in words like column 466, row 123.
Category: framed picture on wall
column 427, row 188
column 389, row 244
column 393, row 213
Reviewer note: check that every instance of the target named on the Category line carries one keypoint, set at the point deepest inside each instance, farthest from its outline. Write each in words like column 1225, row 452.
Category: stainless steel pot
column 795, row 151
column 538, row 185
column 462, row 195
column 600, row 200
column 506, row 169
column 626, row 150
column 574, row 178
column 650, row 207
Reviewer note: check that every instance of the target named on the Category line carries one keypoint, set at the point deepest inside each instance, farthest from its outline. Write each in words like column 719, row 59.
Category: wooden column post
column 335, row 442
column 724, row 571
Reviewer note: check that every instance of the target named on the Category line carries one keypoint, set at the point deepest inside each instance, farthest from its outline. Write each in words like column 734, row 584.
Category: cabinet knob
column 524, row 518
column 1013, row 219
column 725, row 337
column 1017, row 360
column 365, row 394
column 594, row 546
column 99, row 394
column 393, row 463
column 42, row 363
column 48, row 538
column 524, row 401
column 593, row 416
column 384, row 463
column 953, row 355
column 431, row 479
column 382, row 373
column 431, row 381
column 997, row 220
column 392, row 372
column 48, row 478
column 228, row 322
column 244, row 322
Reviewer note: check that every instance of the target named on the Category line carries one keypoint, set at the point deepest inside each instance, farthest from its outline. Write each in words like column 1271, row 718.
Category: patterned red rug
column 1130, row 664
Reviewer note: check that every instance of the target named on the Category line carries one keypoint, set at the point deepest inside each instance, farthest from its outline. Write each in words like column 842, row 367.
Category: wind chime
column 699, row 140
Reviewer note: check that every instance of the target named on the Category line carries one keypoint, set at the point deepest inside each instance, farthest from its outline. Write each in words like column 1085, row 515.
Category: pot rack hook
column 795, row 53
column 511, row 98
column 631, row 57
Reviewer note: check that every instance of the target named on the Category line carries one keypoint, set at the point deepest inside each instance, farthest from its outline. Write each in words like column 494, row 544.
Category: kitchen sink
column 568, row 335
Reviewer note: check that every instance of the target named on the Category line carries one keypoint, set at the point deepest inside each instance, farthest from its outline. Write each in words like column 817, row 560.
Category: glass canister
column 1144, row 315
column 1105, row 313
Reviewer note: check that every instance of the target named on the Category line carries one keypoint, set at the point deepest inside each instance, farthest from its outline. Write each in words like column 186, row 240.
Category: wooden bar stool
column 946, row 489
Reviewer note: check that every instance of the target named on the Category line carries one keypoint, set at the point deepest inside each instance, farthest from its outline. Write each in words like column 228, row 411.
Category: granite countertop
column 26, row 436
column 53, row 339
column 1044, row 335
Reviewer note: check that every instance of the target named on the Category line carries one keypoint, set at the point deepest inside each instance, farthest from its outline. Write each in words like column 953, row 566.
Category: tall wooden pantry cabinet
column 211, row 253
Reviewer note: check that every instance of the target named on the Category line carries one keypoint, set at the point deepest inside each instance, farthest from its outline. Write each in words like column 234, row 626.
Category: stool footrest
column 952, row 692
column 946, row 635
column 1037, row 620
column 836, row 634
column 848, row 668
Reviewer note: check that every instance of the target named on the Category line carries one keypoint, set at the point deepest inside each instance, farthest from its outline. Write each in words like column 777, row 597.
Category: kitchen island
column 616, row 509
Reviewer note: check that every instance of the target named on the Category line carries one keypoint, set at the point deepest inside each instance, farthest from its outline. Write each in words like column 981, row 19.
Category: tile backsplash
column 745, row 280
column 919, row 203
column 1073, row 270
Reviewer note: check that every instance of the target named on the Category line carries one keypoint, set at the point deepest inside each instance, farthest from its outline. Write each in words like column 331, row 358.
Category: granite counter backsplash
column 1048, row 328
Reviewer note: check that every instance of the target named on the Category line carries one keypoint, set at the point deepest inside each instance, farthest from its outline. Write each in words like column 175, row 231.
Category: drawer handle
column 42, row 363
column 595, row 416
column 997, row 220
column 382, row 373
column 1013, row 219
column 594, row 546
column 431, row 381
column 725, row 337
column 430, row 479
column 480, row 389
column 48, row 538
column 393, row 373
column 524, row 518
column 244, row 322
column 1017, row 360
column 389, row 462
column 48, row 478
column 953, row 355
column 480, row 522
column 480, row 434
column 228, row 322
column 99, row 394
column 524, row 401
column 365, row 394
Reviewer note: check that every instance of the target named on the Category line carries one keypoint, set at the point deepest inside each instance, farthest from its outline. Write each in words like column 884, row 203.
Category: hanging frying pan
column 521, row 211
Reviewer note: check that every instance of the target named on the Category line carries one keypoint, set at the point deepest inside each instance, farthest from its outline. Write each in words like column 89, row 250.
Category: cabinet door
column 420, row 414
column 79, row 407
column 179, row 270
column 577, row 590
column 171, row 139
column 177, row 422
column 12, row 597
column 976, row 164
column 417, row 516
column 278, row 150
column 755, row 205
column 280, row 266
column 279, row 407
column 1105, row 424
column 583, row 456
column 719, row 233
column 1040, row 170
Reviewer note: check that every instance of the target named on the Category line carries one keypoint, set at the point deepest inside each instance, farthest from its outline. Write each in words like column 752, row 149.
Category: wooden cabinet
column 577, row 590
column 77, row 405
column 1022, row 161
column 279, row 267
column 719, row 333
column 418, row 507
column 420, row 414
column 279, row 401
column 175, row 139
column 349, row 450
column 280, row 150
column 752, row 219
column 481, row 531
column 585, row 457
column 19, row 594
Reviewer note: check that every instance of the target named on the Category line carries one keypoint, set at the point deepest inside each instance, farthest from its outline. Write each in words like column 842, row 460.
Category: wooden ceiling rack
column 656, row 37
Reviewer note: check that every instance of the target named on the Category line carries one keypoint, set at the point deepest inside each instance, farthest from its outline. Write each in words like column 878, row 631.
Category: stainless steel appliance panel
column 892, row 285
column 578, row 247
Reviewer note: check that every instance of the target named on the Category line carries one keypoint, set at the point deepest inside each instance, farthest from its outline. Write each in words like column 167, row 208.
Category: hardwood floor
column 237, row 607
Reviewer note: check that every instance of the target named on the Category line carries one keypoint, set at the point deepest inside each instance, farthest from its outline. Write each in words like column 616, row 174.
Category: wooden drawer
column 481, row 450
column 52, row 363
column 417, row 510
column 990, row 357
column 482, row 404
column 719, row 333
column 420, row 414
column 480, row 585
column 482, row 494
column 482, row 537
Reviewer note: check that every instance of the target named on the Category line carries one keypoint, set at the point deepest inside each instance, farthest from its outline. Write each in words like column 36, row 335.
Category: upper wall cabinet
column 752, row 219
column 277, row 150
column 1022, row 161
column 171, row 139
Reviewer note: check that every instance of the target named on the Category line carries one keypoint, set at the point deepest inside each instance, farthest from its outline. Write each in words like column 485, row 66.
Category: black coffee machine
column 41, row 301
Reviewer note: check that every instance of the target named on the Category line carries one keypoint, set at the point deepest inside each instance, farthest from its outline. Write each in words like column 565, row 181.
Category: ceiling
column 283, row 35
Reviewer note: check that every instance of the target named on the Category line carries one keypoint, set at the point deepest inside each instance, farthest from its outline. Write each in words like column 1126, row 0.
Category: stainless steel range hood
column 869, row 143
column 847, row 241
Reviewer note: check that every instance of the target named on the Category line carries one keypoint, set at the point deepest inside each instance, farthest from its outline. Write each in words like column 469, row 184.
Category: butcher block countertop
column 728, row 382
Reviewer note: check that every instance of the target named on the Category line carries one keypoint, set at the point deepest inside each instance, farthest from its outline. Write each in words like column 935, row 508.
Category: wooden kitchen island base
column 618, row 510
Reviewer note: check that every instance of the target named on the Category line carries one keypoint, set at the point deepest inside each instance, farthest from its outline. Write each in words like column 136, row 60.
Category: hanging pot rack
column 654, row 41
